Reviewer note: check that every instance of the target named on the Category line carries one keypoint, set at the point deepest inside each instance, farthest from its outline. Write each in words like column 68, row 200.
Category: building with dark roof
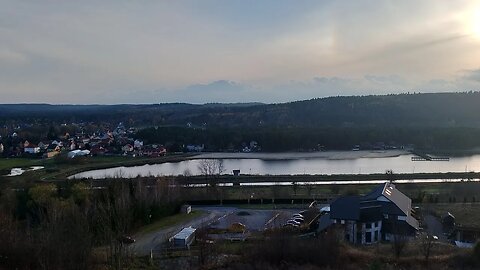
column 377, row 216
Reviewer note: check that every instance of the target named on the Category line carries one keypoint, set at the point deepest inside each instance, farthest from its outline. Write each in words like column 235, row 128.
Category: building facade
column 378, row 216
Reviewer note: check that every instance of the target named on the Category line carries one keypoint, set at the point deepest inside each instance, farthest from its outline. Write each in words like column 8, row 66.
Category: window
column 368, row 225
column 376, row 235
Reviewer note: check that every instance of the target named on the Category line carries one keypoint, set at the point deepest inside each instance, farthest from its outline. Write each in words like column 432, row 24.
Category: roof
column 324, row 222
column 397, row 197
column 184, row 233
column 375, row 193
column 384, row 199
column 345, row 208
column 370, row 211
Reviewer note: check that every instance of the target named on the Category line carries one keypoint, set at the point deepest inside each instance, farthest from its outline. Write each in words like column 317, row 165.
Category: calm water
column 399, row 164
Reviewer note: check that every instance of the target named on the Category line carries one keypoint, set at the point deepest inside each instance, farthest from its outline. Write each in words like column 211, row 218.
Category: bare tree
column 113, row 218
column 399, row 239
column 211, row 168
column 426, row 246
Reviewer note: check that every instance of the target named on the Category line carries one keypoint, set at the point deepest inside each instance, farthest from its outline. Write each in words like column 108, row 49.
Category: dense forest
column 312, row 139
column 435, row 121
column 402, row 110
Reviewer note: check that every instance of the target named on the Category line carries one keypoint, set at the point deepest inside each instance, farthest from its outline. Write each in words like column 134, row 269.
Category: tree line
column 308, row 139
column 74, row 226
column 410, row 110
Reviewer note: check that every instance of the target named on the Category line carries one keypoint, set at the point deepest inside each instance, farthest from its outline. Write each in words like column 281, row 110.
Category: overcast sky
column 107, row 52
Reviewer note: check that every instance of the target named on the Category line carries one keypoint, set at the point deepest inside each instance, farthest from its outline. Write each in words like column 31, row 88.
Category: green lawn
column 170, row 221
column 9, row 163
column 466, row 214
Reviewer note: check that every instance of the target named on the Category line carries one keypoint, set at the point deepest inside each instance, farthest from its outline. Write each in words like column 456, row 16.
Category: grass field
column 466, row 214
column 9, row 163
column 60, row 169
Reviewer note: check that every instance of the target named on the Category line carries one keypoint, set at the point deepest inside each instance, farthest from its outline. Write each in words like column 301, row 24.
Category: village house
column 127, row 148
column 30, row 148
column 43, row 145
column 53, row 150
column 98, row 150
column 154, row 151
column 137, row 144
column 380, row 215
column 195, row 148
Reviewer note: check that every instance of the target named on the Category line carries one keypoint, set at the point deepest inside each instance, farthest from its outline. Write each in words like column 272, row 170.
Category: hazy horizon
column 122, row 52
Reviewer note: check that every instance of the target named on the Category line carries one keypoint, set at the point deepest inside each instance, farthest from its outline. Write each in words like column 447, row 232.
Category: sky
column 115, row 51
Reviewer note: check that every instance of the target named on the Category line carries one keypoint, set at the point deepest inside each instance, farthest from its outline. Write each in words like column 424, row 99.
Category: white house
column 127, row 148
column 1, row 148
column 32, row 149
column 137, row 144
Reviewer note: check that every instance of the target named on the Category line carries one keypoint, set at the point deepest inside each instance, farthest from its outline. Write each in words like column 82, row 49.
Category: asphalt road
column 153, row 241
column 435, row 227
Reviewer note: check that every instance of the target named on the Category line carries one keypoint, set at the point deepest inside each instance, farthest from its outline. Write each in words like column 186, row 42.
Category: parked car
column 291, row 221
column 300, row 220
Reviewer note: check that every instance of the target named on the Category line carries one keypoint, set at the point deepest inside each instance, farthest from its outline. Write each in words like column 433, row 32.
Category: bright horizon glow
column 476, row 22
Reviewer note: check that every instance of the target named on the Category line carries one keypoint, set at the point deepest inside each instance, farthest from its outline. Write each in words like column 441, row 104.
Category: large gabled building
column 379, row 215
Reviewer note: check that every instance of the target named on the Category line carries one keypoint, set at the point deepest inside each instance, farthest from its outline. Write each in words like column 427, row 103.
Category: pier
column 426, row 157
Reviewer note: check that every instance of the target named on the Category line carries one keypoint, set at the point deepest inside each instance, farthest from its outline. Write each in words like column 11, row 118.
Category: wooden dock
column 426, row 157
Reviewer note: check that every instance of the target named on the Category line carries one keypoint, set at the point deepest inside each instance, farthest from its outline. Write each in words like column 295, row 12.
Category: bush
column 284, row 248
column 476, row 253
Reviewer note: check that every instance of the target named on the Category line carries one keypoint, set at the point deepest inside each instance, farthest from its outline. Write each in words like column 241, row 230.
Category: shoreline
column 330, row 155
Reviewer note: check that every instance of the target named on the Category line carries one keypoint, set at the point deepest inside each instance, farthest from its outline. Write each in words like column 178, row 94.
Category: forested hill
column 407, row 110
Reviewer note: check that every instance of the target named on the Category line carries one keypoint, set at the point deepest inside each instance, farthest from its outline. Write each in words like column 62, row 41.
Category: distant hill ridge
column 428, row 109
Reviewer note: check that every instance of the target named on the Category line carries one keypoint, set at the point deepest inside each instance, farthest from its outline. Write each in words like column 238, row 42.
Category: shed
column 186, row 209
column 184, row 238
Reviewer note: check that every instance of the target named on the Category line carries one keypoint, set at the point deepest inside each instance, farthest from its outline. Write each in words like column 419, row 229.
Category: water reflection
column 298, row 166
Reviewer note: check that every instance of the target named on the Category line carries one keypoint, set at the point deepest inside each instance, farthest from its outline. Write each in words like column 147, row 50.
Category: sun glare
column 475, row 23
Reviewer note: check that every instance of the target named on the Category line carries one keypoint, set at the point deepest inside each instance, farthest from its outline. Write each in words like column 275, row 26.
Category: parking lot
column 254, row 220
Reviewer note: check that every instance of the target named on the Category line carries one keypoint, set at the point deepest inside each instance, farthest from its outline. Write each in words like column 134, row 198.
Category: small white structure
column 78, row 153
column 184, row 238
column 186, row 209
column 137, row 144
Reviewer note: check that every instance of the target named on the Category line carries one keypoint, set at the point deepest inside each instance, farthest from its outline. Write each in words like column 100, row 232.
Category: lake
column 334, row 162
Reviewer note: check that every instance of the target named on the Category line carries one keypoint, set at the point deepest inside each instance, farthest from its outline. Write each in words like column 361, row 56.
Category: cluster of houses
column 115, row 142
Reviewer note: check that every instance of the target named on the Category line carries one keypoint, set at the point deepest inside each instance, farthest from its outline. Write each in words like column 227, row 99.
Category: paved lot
column 254, row 220
column 155, row 240
column 215, row 217
column 434, row 227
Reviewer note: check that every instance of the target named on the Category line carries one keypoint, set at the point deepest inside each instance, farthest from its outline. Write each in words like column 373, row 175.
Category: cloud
column 472, row 75
column 270, row 51
column 216, row 91
column 390, row 79
column 8, row 56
